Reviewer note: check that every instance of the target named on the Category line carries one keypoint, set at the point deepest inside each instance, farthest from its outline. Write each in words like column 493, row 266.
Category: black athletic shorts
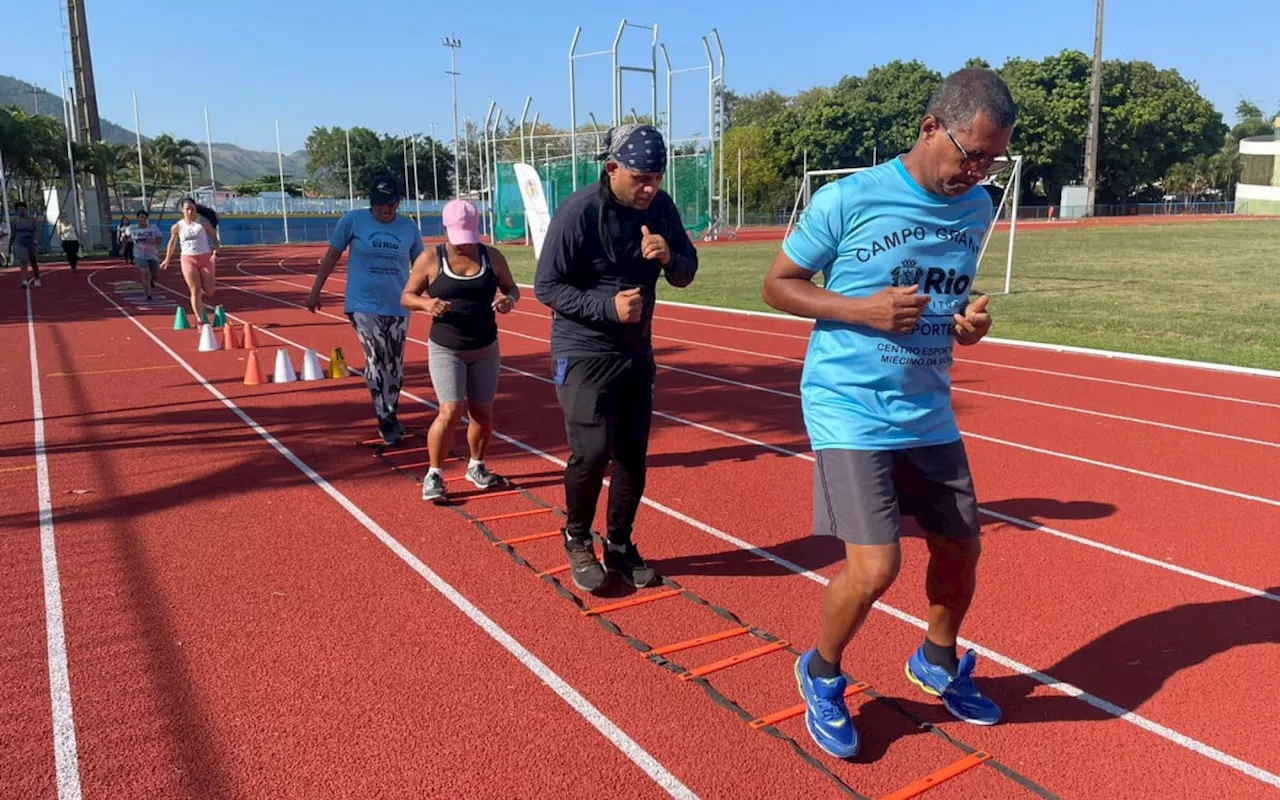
column 859, row 496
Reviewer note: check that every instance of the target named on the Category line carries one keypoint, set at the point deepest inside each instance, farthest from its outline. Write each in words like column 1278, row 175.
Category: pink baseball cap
column 461, row 221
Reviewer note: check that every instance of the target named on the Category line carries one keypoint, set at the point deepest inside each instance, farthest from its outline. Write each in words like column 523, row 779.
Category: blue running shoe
column 958, row 692
column 826, row 715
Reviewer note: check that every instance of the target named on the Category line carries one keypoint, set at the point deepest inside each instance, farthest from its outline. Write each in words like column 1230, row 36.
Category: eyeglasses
column 987, row 165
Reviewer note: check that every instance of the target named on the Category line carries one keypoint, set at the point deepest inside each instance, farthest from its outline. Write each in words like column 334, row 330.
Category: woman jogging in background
column 382, row 245
column 461, row 280
column 70, row 240
column 197, row 232
column 146, row 237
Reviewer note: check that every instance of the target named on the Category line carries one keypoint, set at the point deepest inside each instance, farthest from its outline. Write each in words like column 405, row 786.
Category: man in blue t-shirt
column 897, row 246
column 383, row 246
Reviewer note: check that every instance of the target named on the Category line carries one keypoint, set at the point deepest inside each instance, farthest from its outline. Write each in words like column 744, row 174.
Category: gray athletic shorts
column 859, row 496
column 147, row 264
column 24, row 255
column 456, row 374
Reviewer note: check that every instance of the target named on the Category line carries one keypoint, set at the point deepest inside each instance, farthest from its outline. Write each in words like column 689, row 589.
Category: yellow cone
column 337, row 364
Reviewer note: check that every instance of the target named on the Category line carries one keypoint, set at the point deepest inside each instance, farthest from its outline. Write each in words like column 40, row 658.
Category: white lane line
column 628, row 746
column 1062, row 687
column 66, row 758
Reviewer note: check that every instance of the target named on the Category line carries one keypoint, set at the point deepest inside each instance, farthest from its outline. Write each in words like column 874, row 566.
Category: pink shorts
column 202, row 263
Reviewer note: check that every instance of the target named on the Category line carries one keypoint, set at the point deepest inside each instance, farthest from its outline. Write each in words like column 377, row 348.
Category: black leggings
column 72, row 249
column 608, row 404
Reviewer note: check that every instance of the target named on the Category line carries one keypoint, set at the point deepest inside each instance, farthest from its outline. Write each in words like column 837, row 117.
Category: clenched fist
column 629, row 305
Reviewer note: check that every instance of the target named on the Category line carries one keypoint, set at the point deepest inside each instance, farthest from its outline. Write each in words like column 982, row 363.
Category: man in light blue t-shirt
column 897, row 246
column 382, row 247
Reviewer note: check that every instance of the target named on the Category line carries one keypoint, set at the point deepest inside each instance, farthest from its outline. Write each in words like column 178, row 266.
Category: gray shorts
column 456, row 374
column 859, row 496
column 147, row 264
column 24, row 255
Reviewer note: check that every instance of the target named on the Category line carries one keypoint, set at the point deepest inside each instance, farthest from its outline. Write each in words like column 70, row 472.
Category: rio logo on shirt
column 931, row 281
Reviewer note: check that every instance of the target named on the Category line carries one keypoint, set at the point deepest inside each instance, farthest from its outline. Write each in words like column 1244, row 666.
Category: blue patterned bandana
column 637, row 147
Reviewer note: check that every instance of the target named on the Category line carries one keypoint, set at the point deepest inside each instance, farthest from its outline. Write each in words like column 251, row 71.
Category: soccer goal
column 1005, row 179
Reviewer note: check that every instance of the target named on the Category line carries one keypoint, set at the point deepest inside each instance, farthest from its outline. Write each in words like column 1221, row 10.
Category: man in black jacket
column 598, row 272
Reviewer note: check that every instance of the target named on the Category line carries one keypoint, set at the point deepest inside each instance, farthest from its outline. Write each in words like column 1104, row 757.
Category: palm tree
column 167, row 160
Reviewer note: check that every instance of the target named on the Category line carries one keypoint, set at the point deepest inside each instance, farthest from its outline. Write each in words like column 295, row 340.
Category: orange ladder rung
column 399, row 452
column 553, row 571
column 701, row 640
column 634, row 601
column 533, row 537
column 512, row 515
column 421, row 464
column 933, row 779
column 698, row 672
column 798, row 708
column 485, row 493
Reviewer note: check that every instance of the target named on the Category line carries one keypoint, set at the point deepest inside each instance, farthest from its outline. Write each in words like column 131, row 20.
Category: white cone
column 284, row 368
column 208, row 342
column 311, row 370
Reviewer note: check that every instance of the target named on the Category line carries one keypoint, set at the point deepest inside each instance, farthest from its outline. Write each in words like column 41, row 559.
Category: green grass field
column 1201, row 291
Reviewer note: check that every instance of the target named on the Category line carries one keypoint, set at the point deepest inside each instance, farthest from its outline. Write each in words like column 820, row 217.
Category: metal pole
column 1095, row 113
column 486, row 190
column 213, row 182
column 284, row 196
column 524, row 114
column 71, row 159
column 435, row 176
column 351, row 187
column 724, row 181
column 739, row 187
column 453, row 43
column 573, row 110
column 493, row 164
column 671, row 173
column 711, row 135
column 417, row 196
column 404, row 143
column 137, row 132
column 466, row 149
column 1016, row 180
column 653, row 76
column 617, row 75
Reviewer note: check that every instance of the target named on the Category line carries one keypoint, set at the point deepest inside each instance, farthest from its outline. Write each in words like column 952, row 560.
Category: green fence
column 686, row 182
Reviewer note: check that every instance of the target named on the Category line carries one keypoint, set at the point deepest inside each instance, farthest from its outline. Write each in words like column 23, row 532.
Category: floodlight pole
column 1095, row 113
column 485, row 189
column 453, row 43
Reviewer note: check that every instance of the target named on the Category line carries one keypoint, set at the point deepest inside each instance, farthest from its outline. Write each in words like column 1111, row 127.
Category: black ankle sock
column 819, row 667
column 941, row 656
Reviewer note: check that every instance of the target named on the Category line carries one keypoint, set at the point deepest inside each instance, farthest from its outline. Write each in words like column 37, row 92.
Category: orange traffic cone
column 229, row 341
column 249, row 341
column 253, row 374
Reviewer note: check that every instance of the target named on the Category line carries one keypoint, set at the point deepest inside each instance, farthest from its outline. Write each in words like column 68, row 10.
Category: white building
column 1258, row 191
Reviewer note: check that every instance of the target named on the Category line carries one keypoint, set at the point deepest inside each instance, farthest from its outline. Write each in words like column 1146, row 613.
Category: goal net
column 1005, row 222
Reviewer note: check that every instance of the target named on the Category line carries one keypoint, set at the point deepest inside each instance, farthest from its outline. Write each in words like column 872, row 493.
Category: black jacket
column 578, row 279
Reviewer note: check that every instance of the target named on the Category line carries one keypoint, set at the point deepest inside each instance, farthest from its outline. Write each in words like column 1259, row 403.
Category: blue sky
column 381, row 64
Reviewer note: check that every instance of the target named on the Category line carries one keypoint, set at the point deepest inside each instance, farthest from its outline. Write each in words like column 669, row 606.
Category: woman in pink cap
column 461, row 280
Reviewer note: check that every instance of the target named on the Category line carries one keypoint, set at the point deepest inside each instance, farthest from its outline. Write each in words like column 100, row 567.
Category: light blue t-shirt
column 378, row 262
column 865, row 389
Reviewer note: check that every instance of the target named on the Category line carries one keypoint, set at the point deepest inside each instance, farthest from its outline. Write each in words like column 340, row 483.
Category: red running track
column 244, row 633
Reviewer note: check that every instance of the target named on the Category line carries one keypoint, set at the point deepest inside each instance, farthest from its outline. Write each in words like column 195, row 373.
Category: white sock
column 434, row 471
column 473, row 463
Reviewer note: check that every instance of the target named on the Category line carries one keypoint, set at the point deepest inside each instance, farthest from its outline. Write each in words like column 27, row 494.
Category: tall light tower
column 1095, row 114
column 453, row 43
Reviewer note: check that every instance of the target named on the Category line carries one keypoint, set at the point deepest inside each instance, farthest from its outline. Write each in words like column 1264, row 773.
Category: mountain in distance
column 231, row 164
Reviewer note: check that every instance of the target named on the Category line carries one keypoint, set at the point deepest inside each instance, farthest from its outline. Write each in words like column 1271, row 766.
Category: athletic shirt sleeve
column 815, row 240
column 342, row 232
column 416, row 248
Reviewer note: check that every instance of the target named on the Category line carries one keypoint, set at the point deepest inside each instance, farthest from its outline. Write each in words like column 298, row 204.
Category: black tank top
column 471, row 322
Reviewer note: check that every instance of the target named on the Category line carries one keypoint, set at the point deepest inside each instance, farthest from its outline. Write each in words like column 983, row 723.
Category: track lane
column 230, row 633
column 525, row 397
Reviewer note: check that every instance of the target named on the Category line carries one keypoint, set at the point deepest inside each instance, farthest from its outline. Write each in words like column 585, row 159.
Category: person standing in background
column 70, row 240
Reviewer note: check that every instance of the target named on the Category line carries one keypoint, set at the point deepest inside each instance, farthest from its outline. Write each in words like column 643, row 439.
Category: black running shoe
column 625, row 560
column 584, row 569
